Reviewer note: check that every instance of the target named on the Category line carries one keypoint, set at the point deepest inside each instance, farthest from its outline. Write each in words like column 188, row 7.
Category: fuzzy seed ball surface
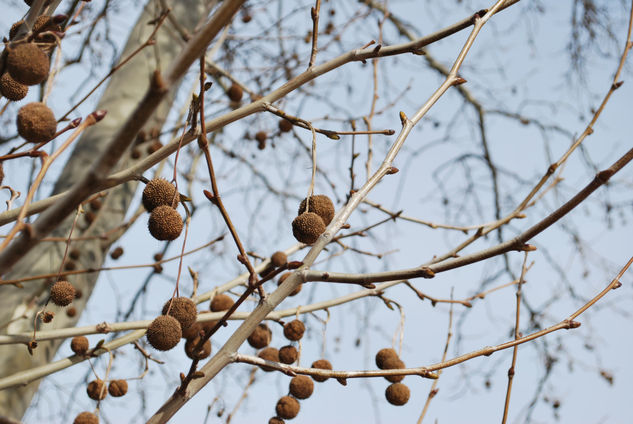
column 393, row 364
column 28, row 64
column 307, row 227
column 46, row 23
column 323, row 364
column 321, row 205
column 383, row 355
column 36, row 122
column 164, row 332
column 285, row 125
column 183, row 309
column 202, row 353
column 158, row 192
column 235, row 92
column 294, row 330
column 269, row 354
column 86, row 418
column 192, row 331
column 278, row 259
column 287, row 407
column 165, row 223
column 260, row 337
column 79, row 345
column 281, row 280
column 397, row 394
column 301, row 387
column 96, row 390
column 14, row 29
column 11, row 89
column 221, row 302
column 288, row 354
column 276, row 420
column 62, row 293
column 117, row 388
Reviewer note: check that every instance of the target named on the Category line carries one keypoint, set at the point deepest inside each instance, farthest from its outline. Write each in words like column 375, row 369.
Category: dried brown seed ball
column 323, row 364
column 246, row 18
column 260, row 337
column 46, row 23
column 278, row 259
column 321, row 205
column 285, row 125
column 74, row 254
column 157, row 192
column 201, row 353
column 117, row 388
column 393, row 364
column 261, row 145
column 78, row 293
column 96, row 390
column 397, row 394
column 62, row 293
column 86, row 418
column 294, row 330
column 235, row 92
column 194, row 330
column 281, row 280
column 164, row 332
column 135, row 153
column 261, row 136
column 14, row 29
column 208, row 326
column 116, row 253
column 183, row 309
column 269, row 354
column 165, row 223
column 11, row 89
column 154, row 147
column 71, row 312
column 79, row 345
column 288, row 354
column 307, row 227
column 70, row 265
column 221, row 302
column 287, row 407
column 36, row 122
column 301, row 387
column 28, row 64
column 158, row 257
column 383, row 355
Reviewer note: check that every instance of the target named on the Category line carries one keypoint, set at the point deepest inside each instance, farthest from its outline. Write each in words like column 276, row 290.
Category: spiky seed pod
column 79, row 345
column 235, row 92
column 287, row 407
column 62, row 293
column 383, row 355
column 281, row 280
column 116, row 253
column 284, row 125
column 157, row 192
column 201, row 353
column 260, row 337
column 279, row 259
column 183, row 309
column 14, row 29
column 165, row 223
column 164, row 332
column 86, row 418
column 71, row 312
column 288, row 354
column 117, row 388
column 96, row 390
column 321, row 205
column 45, row 23
column 36, row 123
column 301, row 387
column 397, row 394
column 307, row 227
column 11, row 89
column 294, row 330
column 323, row 364
column 221, row 302
column 269, row 354
column 394, row 364
column 194, row 330
column 28, row 64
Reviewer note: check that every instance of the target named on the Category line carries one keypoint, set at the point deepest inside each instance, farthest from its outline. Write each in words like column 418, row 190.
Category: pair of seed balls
column 397, row 393
column 313, row 216
column 165, row 223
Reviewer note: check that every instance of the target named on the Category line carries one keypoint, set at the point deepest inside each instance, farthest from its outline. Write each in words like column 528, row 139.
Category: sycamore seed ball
column 301, row 387
column 11, row 89
column 62, row 293
column 86, row 418
column 261, row 136
column 183, row 309
column 321, row 205
column 279, row 259
column 36, row 123
column 96, row 390
column 276, row 420
column 287, row 407
column 157, row 192
column 393, row 364
column 28, row 64
column 294, row 330
column 269, row 354
column 201, row 353
column 164, row 332
column 383, row 355
column 323, row 364
column 165, row 223
column 397, row 394
column 288, row 354
column 281, row 280
column 260, row 337
column 221, row 302
column 285, row 125
column 79, row 345
column 235, row 92
column 307, row 227
column 117, row 388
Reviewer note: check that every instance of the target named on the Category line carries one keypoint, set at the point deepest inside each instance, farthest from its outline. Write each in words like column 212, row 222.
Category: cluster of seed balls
column 397, row 393
column 165, row 223
column 312, row 218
